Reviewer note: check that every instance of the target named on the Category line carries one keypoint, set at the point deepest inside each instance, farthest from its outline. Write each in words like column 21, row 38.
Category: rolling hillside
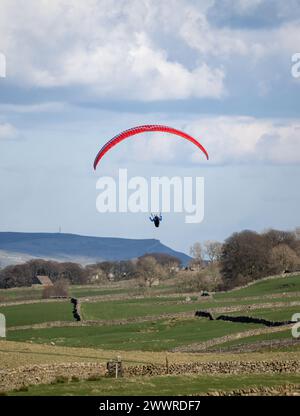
column 47, row 352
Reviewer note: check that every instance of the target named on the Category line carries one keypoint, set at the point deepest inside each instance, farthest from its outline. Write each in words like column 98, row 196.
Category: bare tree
column 283, row 258
column 59, row 288
column 73, row 272
column 202, row 280
column 276, row 237
column 297, row 233
column 197, row 253
column 213, row 250
column 149, row 271
column 164, row 259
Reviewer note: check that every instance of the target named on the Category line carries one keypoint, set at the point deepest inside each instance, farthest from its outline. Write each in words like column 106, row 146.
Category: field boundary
column 203, row 346
column 147, row 318
column 49, row 373
column 253, row 282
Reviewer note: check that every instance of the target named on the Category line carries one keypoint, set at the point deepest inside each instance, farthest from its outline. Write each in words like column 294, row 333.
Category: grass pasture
column 131, row 308
column 82, row 291
column 36, row 313
column 284, row 313
column 153, row 334
column 279, row 285
column 147, row 336
column 20, row 294
column 267, row 337
column 159, row 386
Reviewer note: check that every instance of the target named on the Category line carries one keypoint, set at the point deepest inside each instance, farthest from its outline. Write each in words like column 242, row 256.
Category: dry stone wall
column 48, row 373
column 242, row 319
column 216, row 367
column 282, row 390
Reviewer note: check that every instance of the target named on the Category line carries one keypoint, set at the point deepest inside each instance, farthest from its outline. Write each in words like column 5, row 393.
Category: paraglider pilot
column 156, row 219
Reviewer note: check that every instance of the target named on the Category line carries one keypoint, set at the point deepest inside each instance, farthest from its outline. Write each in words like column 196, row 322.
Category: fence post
column 167, row 364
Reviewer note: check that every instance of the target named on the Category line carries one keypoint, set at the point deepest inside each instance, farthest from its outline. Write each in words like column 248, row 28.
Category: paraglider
column 142, row 129
column 156, row 219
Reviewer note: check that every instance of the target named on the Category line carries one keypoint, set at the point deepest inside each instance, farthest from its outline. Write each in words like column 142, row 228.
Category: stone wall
column 281, row 390
column 76, row 309
column 204, row 314
column 48, row 373
column 243, row 319
column 216, row 367
column 252, row 320
column 205, row 345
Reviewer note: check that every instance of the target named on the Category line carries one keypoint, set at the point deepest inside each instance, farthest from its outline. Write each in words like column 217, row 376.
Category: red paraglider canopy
column 141, row 129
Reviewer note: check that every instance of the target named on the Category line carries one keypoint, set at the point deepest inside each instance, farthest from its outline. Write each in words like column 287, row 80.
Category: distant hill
column 18, row 247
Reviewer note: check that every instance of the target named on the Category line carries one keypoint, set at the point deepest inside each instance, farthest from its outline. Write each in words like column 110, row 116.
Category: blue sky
column 80, row 72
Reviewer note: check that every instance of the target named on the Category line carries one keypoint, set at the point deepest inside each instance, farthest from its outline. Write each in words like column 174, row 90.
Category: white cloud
column 281, row 145
column 106, row 46
column 228, row 140
column 252, row 44
column 141, row 49
column 45, row 107
column 198, row 34
column 247, row 139
column 7, row 131
column 137, row 71
column 288, row 38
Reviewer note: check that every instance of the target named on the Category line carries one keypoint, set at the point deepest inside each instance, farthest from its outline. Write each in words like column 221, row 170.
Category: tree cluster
column 24, row 274
column 145, row 269
column 248, row 255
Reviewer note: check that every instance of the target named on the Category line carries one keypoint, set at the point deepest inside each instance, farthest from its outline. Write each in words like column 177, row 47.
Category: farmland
column 144, row 326
column 157, row 386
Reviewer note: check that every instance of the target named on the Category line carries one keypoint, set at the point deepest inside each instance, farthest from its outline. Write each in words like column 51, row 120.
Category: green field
column 80, row 291
column 21, row 293
column 273, row 336
column 147, row 336
column 130, row 308
column 36, row 313
column 265, row 287
column 161, row 334
column 35, row 293
column 159, row 386
column 272, row 314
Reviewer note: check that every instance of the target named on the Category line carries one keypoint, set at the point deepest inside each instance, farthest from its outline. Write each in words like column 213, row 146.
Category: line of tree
column 243, row 257
column 146, row 269
column 23, row 274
